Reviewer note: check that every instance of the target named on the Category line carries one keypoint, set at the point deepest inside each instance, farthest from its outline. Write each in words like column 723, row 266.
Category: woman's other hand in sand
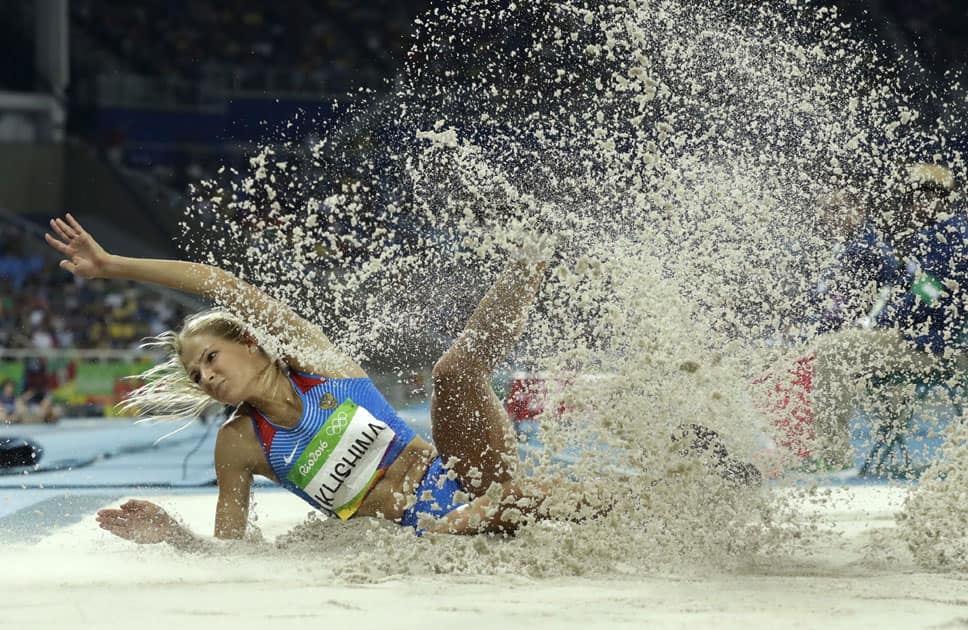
column 142, row 522
column 83, row 256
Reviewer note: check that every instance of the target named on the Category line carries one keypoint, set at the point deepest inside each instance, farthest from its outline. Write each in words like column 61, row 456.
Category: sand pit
column 859, row 575
column 679, row 153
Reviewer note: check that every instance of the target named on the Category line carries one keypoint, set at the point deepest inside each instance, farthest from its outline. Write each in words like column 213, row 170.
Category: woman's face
column 228, row 371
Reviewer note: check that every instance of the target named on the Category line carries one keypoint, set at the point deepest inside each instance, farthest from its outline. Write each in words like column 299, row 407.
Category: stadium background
column 112, row 110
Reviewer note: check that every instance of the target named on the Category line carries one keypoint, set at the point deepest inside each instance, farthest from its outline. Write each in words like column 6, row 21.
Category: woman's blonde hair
column 168, row 392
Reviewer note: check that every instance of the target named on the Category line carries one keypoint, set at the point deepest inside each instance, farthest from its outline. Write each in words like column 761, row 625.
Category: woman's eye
column 211, row 356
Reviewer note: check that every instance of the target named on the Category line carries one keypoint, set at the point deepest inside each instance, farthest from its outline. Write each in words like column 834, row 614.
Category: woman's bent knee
column 452, row 371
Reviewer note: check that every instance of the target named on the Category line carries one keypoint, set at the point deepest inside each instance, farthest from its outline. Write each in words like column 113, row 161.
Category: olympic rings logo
column 337, row 423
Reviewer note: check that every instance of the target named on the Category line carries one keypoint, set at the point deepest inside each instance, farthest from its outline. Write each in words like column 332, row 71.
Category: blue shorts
column 441, row 499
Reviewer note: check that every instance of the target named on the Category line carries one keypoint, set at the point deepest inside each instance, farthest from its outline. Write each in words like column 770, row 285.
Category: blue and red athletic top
column 346, row 439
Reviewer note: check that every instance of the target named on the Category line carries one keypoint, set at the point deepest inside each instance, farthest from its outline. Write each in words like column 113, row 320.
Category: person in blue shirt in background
column 901, row 305
column 8, row 402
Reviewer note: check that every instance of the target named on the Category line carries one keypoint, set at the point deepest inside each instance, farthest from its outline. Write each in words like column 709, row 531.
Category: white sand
column 733, row 123
column 859, row 576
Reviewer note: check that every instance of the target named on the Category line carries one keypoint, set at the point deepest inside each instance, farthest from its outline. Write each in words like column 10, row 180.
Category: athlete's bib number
column 341, row 463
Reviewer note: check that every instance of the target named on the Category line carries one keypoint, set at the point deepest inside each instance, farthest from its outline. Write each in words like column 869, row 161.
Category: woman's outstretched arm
column 145, row 523
column 84, row 257
column 237, row 458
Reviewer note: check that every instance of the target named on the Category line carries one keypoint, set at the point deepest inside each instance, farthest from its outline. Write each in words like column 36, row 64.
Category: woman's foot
column 703, row 441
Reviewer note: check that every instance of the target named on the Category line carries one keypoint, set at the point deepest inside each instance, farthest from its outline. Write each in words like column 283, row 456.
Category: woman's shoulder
column 236, row 434
column 329, row 364
column 239, row 448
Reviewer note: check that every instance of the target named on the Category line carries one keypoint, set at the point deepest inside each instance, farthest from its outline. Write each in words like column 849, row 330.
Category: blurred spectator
column 30, row 407
column 42, row 307
column 8, row 401
column 915, row 257
column 257, row 43
column 838, row 297
column 200, row 54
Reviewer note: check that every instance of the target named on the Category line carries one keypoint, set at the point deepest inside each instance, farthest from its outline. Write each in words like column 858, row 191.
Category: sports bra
column 347, row 438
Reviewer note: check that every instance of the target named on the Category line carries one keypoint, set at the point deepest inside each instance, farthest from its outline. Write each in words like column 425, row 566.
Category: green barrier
column 104, row 378
column 13, row 370
column 83, row 382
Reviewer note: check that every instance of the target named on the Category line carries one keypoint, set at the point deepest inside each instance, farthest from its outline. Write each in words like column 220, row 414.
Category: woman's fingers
column 137, row 521
column 66, row 245
column 120, row 524
column 123, row 512
column 74, row 223
column 66, row 229
column 113, row 525
column 133, row 505
column 144, row 508
column 58, row 245
column 59, row 230
column 110, row 515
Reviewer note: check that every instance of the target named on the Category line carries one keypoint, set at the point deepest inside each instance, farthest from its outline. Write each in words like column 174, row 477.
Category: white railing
column 84, row 354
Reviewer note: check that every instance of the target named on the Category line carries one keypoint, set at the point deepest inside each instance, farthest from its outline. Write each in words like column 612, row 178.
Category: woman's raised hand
column 83, row 256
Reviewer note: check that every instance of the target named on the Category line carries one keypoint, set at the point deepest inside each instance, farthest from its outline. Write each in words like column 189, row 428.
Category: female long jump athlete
column 315, row 423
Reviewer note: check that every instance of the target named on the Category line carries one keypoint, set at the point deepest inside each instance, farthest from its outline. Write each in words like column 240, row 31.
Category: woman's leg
column 519, row 503
column 471, row 429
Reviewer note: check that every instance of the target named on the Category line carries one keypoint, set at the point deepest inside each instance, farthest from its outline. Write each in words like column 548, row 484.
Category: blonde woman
column 312, row 420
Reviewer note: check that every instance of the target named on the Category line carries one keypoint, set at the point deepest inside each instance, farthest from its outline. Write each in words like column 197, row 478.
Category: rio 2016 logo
column 313, row 458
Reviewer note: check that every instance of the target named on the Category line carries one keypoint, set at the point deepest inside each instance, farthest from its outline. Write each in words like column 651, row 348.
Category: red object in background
column 527, row 394
column 789, row 403
column 526, row 398
column 123, row 387
column 61, row 376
